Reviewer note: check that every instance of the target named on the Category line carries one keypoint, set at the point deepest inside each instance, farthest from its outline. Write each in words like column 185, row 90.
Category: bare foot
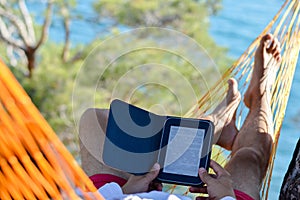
column 223, row 117
column 263, row 76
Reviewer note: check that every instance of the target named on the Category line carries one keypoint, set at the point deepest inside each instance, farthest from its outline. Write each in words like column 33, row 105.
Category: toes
column 275, row 49
column 266, row 39
column 277, row 56
column 230, row 81
column 274, row 46
column 233, row 93
column 232, row 85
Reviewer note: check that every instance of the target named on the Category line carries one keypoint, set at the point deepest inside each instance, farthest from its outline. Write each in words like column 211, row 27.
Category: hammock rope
column 34, row 164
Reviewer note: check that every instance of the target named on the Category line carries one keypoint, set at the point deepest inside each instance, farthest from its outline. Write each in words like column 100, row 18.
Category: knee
column 247, row 153
column 253, row 156
column 94, row 113
column 94, row 116
column 92, row 126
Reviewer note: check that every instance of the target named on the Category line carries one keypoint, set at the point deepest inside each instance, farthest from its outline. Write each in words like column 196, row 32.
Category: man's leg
column 252, row 147
column 223, row 117
column 92, row 128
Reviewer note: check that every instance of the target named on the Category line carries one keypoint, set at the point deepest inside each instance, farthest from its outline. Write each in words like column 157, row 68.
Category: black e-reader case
column 134, row 138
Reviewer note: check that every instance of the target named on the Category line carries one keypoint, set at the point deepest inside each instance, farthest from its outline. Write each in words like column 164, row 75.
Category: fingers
column 205, row 177
column 202, row 198
column 136, row 184
column 155, row 186
column 217, row 168
column 153, row 173
column 202, row 190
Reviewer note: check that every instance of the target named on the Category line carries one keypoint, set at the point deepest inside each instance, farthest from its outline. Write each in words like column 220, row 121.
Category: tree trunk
column 65, row 53
column 30, row 54
column 290, row 189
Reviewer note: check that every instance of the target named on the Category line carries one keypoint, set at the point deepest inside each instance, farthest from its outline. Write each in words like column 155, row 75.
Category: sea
column 235, row 26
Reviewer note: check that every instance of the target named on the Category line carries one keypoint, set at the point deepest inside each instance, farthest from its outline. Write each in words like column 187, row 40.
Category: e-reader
column 185, row 147
column 136, row 139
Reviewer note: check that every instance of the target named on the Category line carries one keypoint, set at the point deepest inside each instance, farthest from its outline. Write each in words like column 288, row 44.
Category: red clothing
column 101, row 179
column 241, row 195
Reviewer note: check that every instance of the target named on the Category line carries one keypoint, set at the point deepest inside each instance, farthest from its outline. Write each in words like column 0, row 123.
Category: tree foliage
column 22, row 34
column 53, row 80
column 50, row 89
column 188, row 17
column 17, row 30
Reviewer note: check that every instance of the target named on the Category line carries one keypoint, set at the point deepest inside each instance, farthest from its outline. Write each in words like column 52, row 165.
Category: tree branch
column 6, row 36
column 46, row 25
column 15, row 54
column 65, row 53
column 17, row 23
column 27, row 20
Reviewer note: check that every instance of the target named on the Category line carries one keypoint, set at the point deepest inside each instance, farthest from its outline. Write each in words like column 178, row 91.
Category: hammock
column 34, row 164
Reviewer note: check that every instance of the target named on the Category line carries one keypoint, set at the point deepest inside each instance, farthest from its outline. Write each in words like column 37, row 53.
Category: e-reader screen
column 183, row 151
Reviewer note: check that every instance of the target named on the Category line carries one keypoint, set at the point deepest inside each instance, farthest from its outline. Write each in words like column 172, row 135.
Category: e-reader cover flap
column 133, row 138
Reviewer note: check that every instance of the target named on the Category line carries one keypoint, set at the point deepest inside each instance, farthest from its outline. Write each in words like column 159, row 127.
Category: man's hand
column 136, row 184
column 218, row 186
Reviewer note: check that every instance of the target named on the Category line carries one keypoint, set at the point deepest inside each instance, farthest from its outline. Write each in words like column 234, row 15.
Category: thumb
column 153, row 173
column 201, row 198
column 205, row 177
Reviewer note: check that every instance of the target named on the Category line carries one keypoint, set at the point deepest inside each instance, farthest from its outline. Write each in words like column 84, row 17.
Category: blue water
column 235, row 27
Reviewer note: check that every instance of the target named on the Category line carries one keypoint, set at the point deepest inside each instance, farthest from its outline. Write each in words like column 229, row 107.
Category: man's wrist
column 124, row 190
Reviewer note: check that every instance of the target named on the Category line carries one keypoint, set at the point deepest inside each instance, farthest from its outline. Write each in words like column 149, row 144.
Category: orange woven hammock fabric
column 34, row 164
